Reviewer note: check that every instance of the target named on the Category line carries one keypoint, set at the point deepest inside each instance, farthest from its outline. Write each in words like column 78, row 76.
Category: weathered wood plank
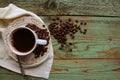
column 96, row 55
column 101, row 41
column 95, row 69
column 9, row 75
column 84, row 69
column 68, row 7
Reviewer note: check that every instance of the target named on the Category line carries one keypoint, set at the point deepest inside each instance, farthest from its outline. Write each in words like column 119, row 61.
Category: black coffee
column 23, row 40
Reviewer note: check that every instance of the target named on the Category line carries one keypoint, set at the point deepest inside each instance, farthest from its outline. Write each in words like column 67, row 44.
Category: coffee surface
column 23, row 40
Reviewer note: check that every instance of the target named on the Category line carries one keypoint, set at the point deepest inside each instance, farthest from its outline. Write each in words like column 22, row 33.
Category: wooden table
column 94, row 56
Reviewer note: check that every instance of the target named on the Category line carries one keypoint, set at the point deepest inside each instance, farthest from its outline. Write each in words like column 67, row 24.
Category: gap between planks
column 87, row 59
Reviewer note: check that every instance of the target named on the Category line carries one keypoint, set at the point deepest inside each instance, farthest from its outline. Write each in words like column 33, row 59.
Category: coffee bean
column 60, row 29
column 81, row 31
column 69, row 19
column 53, row 20
column 72, row 36
column 84, row 33
column 85, row 23
column 70, row 50
column 76, row 21
column 81, row 23
column 78, row 27
column 58, row 18
column 85, row 30
column 44, row 26
column 70, row 43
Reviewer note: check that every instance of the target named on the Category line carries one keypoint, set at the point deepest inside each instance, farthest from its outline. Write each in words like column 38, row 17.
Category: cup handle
column 41, row 41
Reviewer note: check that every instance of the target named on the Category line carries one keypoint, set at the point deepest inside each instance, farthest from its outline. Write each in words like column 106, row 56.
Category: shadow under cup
column 22, row 40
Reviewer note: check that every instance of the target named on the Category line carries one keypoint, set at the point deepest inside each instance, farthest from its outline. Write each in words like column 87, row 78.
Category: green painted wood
column 101, row 41
column 84, row 69
column 96, row 55
column 68, row 7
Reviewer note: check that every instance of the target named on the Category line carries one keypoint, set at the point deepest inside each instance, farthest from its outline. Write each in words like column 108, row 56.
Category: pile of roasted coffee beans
column 60, row 28
column 42, row 34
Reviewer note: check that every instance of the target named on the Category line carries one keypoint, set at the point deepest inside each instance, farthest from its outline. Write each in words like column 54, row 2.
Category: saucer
column 28, row 61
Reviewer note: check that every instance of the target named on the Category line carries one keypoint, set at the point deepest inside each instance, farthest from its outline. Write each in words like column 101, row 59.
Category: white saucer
column 29, row 60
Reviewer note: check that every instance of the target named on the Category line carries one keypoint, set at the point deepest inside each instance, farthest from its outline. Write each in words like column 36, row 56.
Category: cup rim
column 14, row 50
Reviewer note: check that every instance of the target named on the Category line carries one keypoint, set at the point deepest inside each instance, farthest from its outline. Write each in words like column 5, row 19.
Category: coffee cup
column 23, row 41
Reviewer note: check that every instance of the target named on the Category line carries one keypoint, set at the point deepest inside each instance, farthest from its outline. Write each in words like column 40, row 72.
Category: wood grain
column 96, row 55
column 86, row 69
column 68, row 7
column 101, row 41
column 96, row 69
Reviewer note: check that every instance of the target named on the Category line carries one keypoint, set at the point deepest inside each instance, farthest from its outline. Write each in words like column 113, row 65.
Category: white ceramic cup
column 23, row 41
